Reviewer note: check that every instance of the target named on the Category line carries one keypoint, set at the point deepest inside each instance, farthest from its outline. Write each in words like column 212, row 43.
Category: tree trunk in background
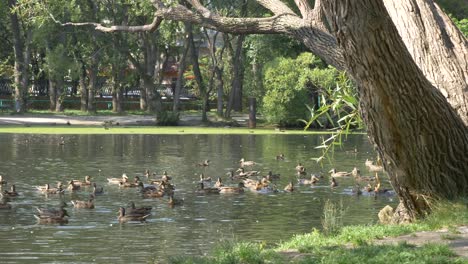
column 93, row 71
column 117, row 98
column 235, row 97
column 52, row 94
column 421, row 139
column 180, row 74
column 20, row 68
column 59, row 96
column 83, row 90
column 437, row 46
column 197, row 72
column 219, row 90
column 143, row 101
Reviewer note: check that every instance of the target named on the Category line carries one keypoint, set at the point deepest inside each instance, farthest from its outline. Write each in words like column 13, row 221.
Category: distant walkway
column 125, row 120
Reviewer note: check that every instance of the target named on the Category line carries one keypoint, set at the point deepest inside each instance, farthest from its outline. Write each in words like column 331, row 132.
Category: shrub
column 291, row 84
column 167, row 118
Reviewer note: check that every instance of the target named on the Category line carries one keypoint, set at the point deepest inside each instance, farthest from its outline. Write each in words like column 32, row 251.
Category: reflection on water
column 194, row 228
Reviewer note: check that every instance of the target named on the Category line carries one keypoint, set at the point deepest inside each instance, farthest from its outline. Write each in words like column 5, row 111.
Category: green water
column 192, row 229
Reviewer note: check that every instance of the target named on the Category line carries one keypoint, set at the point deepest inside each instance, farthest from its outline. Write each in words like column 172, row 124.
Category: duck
column 53, row 211
column 335, row 173
column 204, row 163
column 204, row 179
column 356, row 172
column 300, row 169
column 233, row 176
column 84, row 204
column 333, row 183
column 203, row 190
column 11, row 193
column 2, row 181
column 124, row 178
column 123, row 217
column 313, row 180
column 232, row 189
column 154, row 194
column 270, row 176
column 357, row 189
column 73, row 187
column 369, row 188
column 251, row 184
column 280, row 157
column 243, row 173
column 368, row 162
column 97, row 190
column 86, row 182
column 47, row 190
column 133, row 210
column 289, row 187
column 243, row 162
column 58, row 218
column 263, row 188
column 4, row 204
column 374, row 167
column 219, row 183
column 357, row 175
column 135, row 183
column 148, row 188
column 174, row 202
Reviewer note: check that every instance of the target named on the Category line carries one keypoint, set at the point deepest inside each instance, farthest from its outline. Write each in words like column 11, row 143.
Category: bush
column 166, row 118
column 290, row 85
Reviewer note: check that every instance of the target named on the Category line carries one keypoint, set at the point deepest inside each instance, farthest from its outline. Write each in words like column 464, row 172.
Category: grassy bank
column 76, row 129
column 352, row 244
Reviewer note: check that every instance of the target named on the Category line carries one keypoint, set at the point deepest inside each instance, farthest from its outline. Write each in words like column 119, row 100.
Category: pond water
column 94, row 235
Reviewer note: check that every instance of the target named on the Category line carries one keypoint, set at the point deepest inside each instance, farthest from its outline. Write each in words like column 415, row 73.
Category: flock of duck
column 159, row 186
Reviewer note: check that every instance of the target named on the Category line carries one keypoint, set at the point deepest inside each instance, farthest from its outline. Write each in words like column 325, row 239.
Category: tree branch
column 97, row 26
column 275, row 6
column 304, row 8
column 283, row 23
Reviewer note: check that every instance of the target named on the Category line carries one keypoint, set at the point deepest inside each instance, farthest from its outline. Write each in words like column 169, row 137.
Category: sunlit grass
column 352, row 244
column 75, row 129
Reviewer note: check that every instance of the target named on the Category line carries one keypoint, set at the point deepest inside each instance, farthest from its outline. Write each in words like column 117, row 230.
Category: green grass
column 76, row 129
column 352, row 244
column 401, row 253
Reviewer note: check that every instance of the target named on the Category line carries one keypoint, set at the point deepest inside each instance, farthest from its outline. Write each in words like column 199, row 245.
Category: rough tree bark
column 420, row 137
column 435, row 44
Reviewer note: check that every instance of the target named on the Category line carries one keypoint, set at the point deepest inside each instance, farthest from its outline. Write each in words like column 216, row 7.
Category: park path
column 125, row 120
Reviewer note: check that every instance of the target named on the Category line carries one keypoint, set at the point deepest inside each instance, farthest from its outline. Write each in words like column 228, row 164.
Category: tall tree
column 21, row 41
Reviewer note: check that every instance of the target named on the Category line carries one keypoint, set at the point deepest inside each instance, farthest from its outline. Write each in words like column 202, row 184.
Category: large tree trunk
column 437, row 46
column 421, row 139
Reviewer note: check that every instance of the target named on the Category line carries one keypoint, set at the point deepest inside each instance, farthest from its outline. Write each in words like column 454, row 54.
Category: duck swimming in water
column 335, row 173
